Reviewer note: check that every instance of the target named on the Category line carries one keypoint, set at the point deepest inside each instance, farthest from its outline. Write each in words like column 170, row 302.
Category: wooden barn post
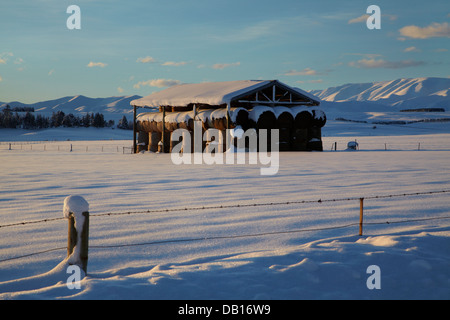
column 228, row 116
column 163, row 130
column 134, row 130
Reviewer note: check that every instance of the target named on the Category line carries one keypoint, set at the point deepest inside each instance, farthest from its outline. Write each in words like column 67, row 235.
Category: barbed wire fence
column 329, row 144
column 66, row 147
column 360, row 223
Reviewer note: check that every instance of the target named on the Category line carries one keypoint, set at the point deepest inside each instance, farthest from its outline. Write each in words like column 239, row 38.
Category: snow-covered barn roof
column 219, row 93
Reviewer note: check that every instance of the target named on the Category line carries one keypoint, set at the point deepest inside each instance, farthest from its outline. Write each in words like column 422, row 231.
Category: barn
column 246, row 104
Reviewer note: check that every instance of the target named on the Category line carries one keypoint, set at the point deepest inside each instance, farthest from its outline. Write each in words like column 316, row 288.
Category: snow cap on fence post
column 76, row 210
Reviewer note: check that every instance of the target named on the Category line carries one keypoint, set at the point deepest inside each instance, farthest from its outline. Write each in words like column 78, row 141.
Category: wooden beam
column 134, row 130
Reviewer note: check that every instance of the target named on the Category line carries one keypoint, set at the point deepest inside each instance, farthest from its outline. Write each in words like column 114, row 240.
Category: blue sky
column 138, row 47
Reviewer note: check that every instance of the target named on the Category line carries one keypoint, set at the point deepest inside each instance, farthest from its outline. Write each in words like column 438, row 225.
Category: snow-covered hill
column 401, row 93
column 111, row 107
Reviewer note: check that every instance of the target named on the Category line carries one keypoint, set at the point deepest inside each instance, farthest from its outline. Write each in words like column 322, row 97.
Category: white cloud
column 434, row 30
column 362, row 18
column 304, row 72
column 310, row 81
column 146, row 59
column 174, row 64
column 365, row 55
column 411, row 49
column 381, row 63
column 96, row 64
column 4, row 57
column 159, row 83
column 225, row 65
column 119, row 89
column 391, row 17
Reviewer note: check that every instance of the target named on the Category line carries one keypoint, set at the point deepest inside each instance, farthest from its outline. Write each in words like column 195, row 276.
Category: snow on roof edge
column 212, row 93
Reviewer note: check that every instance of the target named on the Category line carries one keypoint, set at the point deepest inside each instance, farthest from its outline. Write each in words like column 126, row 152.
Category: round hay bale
column 188, row 125
column 299, row 139
column 172, row 121
column 159, row 126
column 303, row 119
column 142, row 141
column 203, row 115
column 314, row 145
column 267, row 120
column 153, row 139
column 141, row 125
column 147, row 121
column 174, row 143
column 218, row 118
column 171, row 126
column 241, row 118
column 319, row 118
column 263, row 116
column 285, row 119
column 153, row 126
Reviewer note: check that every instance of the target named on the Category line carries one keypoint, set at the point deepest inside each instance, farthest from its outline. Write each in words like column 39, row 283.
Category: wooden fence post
column 361, row 209
column 76, row 210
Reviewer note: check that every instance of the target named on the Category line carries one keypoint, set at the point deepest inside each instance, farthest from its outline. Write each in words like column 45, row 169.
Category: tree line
column 10, row 118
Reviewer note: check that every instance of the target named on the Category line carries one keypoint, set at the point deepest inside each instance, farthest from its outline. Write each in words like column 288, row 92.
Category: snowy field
column 284, row 250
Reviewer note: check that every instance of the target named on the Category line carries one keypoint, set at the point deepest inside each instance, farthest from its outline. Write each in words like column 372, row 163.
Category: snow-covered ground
column 282, row 251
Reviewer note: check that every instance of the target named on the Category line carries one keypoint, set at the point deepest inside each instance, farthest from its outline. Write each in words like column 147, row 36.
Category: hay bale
column 174, row 143
column 299, row 139
column 239, row 117
column 167, row 142
column 264, row 117
column 303, row 120
column 318, row 118
column 204, row 116
column 142, row 141
column 285, row 139
column 284, row 116
column 147, row 121
column 314, row 139
column 153, row 139
column 219, row 119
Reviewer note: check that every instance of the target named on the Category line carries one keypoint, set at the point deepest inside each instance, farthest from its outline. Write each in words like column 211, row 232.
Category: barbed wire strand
column 228, row 237
column 231, row 206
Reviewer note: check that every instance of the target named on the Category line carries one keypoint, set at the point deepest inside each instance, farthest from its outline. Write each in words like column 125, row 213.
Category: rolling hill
column 112, row 107
column 400, row 93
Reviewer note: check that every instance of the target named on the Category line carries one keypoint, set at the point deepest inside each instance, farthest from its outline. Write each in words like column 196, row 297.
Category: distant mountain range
column 112, row 107
column 397, row 94
column 401, row 93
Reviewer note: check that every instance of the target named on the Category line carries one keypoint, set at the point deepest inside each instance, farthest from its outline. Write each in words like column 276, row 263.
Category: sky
column 139, row 47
